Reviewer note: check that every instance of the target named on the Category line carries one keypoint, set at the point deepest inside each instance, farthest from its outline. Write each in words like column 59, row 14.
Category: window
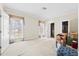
column 16, row 29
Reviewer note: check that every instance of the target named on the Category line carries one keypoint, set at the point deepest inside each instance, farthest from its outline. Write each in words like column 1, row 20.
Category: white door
column 4, row 31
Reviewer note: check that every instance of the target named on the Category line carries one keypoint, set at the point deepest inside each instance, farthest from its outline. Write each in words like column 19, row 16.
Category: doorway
column 52, row 30
column 65, row 27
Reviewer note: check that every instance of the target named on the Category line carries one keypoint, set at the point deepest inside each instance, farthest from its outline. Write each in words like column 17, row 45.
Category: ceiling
column 45, row 10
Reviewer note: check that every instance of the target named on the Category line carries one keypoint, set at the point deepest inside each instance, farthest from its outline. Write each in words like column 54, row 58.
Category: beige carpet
column 39, row 47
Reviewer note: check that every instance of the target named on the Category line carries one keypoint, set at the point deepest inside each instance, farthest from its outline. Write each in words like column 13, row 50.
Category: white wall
column 0, row 24
column 74, row 25
column 58, row 25
column 0, row 29
column 71, row 16
column 31, row 28
column 5, row 31
column 78, row 29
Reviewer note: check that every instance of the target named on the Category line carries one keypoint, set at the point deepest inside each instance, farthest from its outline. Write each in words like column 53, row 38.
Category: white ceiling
column 53, row 9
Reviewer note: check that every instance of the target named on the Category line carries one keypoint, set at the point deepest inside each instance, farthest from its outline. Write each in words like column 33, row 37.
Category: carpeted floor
column 39, row 47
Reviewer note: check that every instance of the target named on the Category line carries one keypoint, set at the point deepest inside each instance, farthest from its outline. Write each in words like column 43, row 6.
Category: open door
column 65, row 27
column 52, row 30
